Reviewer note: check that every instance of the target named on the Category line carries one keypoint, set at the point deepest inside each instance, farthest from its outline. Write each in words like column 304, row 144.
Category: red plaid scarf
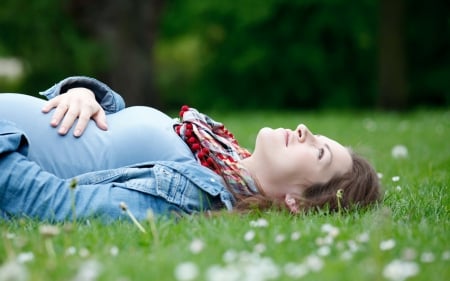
column 216, row 148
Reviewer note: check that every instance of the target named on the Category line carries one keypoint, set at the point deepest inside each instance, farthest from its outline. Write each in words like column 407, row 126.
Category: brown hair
column 359, row 187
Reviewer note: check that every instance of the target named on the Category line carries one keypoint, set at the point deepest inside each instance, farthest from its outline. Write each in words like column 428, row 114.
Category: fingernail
column 77, row 132
column 62, row 130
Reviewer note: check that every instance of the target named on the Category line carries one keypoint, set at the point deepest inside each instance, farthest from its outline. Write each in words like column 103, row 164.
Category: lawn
column 407, row 237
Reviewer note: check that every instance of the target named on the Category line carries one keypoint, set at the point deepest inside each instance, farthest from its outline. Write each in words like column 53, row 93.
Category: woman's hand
column 76, row 103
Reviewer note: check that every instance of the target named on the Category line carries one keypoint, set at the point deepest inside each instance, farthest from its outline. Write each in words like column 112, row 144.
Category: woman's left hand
column 76, row 103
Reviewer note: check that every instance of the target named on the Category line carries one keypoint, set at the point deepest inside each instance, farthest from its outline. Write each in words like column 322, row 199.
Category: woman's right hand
column 76, row 103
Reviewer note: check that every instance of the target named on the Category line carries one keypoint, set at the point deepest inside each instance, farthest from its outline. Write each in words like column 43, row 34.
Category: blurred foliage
column 43, row 35
column 276, row 53
column 246, row 54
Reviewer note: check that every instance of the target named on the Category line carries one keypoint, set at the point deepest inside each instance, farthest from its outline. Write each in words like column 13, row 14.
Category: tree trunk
column 128, row 29
column 392, row 77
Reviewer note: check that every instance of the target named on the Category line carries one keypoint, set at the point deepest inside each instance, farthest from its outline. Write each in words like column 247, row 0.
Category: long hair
column 359, row 187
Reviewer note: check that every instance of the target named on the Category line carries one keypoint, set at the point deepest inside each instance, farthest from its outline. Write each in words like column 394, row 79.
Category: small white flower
column 249, row 235
column 230, row 256
column 196, row 246
column 295, row 270
column 363, row 237
column 446, row 255
column 295, row 236
column 71, row 251
column 398, row 187
column 427, row 257
column 25, row 257
column 346, row 255
column 399, row 270
column 10, row 235
column 327, row 240
column 88, row 271
column 114, row 251
column 380, row 175
column 330, row 230
column 259, row 223
column 13, row 270
column 352, row 245
column 279, row 238
column 387, row 244
column 84, row 252
column 259, row 248
column 399, row 151
column 314, row 263
column 218, row 273
column 395, row 178
column 323, row 251
column 186, row 271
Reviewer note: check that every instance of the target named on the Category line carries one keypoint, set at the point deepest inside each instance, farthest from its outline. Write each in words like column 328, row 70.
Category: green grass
column 413, row 221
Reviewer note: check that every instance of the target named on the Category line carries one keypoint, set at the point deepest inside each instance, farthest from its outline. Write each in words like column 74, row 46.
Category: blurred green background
column 235, row 54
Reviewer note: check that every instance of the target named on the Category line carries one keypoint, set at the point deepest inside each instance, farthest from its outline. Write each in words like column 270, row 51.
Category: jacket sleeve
column 109, row 100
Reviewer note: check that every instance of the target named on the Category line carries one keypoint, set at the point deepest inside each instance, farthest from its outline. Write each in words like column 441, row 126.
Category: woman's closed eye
column 321, row 153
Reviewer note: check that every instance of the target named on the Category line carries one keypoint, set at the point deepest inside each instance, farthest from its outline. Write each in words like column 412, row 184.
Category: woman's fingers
column 78, row 106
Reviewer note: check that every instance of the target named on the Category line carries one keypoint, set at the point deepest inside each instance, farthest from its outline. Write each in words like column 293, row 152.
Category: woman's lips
column 287, row 137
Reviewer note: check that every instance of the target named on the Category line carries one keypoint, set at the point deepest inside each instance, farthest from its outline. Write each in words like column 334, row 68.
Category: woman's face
column 294, row 158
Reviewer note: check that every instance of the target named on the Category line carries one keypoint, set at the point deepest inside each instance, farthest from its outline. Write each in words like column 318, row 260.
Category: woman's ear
column 291, row 203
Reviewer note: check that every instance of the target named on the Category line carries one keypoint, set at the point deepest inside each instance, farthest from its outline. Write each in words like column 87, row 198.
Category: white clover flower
column 196, row 246
column 280, row 238
column 25, row 257
column 427, row 257
column 230, row 256
column 324, row 251
column 314, row 263
column 399, row 270
column 186, row 271
column 227, row 273
column 363, row 237
column 346, row 255
column 249, row 235
column 88, row 271
column 387, row 244
column 259, row 248
column 399, row 151
column 114, row 251
column 295, row 236
column 294, row 270
column 71, row 251
column 398, row 187
column 330, row 230
column 352, row 246
column 395, row 178
column 259, row 223
column 13, row 270
column 380, row 175
column 84, row 252
column 327, row 240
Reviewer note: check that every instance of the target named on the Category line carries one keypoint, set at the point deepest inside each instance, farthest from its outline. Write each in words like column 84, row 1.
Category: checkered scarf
column 216, row 148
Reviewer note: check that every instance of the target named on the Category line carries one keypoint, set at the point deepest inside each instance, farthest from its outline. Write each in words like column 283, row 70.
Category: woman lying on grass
column 148, row 160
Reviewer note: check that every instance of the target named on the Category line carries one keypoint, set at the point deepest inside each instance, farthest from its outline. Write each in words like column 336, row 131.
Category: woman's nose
column 304, row 134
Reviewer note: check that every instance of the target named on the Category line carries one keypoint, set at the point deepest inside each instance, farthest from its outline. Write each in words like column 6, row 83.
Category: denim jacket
column 162, row 186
